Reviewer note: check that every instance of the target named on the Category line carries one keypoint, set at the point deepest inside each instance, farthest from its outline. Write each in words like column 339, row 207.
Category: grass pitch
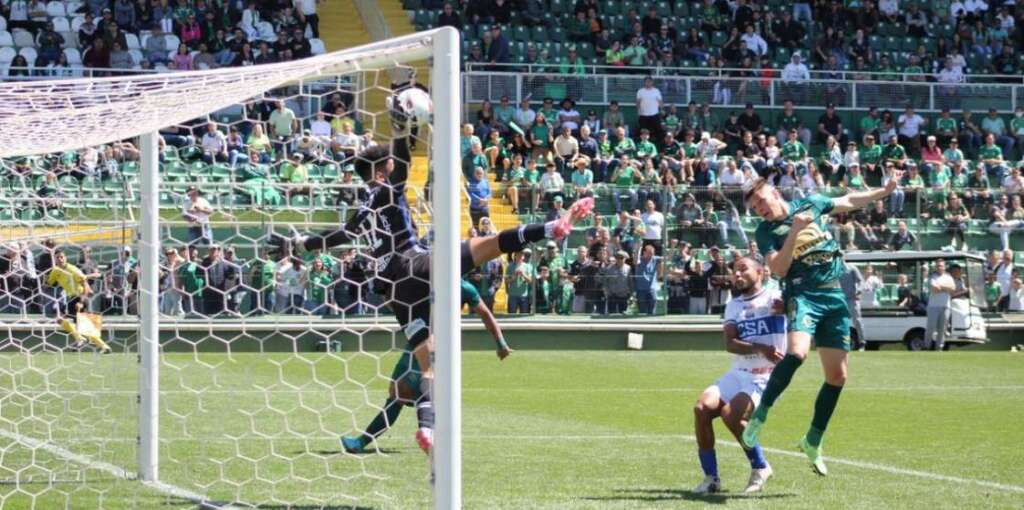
column 544, row 429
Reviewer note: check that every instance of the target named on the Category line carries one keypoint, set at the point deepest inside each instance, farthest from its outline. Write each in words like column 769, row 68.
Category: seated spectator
column 214, row 145
column 182, row 59
column 990, row 157
column 624, row 181
column 259, row 143
column 957, row 218
column 830, row 124
column 295, row 176
column 204, row 59
column 582, row 178
column 995, row 126
column 902, row 237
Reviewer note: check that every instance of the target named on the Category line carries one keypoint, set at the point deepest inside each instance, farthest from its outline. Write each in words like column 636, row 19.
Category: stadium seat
column 60, row 24
column 6, row 39
column 317, row 47
column 55, row 9
column 23, row 39
column 30, row 55
column 73, row 56
column 132, row 41
column 76, row 23
column 7, row 54
column 3, row 24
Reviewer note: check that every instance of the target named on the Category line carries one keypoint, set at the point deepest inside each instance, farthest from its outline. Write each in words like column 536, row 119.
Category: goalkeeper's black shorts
column 68, row 307
column 408, row 277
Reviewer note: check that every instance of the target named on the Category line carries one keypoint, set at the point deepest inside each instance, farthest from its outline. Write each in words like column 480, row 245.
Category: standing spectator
column 487, row 279
column 196, row 212
column 795, row 77
column 718, row 275
column 283, row 124
column 290, row 286
column 479, row 191
column 1015, row 301
column 654, row 225
column 497, row 52
column 1004, row 272
column 617, row 283
column 870, row 288
column 317, row 280
column 910, row 124
column 851, row 282
column 190, row 279
column 648, row 107
column 940, row 286
column 647, row 276
column 830, row 124
column 170, row 295
column 306, row 10
column 218, row 277
column 519, row 280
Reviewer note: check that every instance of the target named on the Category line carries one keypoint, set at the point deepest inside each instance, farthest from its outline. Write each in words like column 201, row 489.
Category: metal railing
column 815, row 72
column 601, row 89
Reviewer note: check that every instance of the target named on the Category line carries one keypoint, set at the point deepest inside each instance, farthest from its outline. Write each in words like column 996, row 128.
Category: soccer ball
column 415, row 104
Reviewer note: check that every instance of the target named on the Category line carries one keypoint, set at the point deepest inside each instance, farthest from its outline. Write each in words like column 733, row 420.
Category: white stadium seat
column 76, row 23
column 70, row 39
column 3, row 24
column 316, row 47
column 30, row 55
column 173, row 41
column 136, row 56
column 133, row 41
column 54, row 9
column 6, row 39
column 60, row 24
column 74, row 58
column 7, row 54
column 23, row 39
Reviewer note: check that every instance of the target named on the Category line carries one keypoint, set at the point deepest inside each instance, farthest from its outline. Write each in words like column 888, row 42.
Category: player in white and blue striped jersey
column 755, row 331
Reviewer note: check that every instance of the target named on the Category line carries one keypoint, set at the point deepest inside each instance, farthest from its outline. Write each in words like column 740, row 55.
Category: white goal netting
column 265, row 360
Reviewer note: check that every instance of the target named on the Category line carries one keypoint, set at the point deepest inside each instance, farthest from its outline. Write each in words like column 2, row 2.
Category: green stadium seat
column 664, row 10
column 520, row 33
column 612, row 8
column 559, row 7
column 538, row 34
column 130, row 168
column 30, row 214
column 557, row 34
column 718, row 38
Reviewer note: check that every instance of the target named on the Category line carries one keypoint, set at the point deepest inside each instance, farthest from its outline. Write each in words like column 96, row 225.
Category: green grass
column 551, row 429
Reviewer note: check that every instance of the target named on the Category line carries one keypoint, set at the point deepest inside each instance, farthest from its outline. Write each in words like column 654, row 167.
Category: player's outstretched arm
column 854, row 201
column 491, row 324
column 299, row 242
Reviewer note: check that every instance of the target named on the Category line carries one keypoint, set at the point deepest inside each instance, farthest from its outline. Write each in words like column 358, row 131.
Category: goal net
column 155, row 349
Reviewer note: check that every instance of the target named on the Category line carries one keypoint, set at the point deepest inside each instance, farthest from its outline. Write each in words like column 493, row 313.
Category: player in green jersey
column 796, row 244
column 404, row 389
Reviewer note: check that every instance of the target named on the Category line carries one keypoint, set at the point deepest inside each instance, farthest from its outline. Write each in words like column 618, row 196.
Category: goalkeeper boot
column 710, row 485
column 353, row 444
column 814, row 455
column 753, row 430
column 425, row 438
column 758, row 477
column 579, row 210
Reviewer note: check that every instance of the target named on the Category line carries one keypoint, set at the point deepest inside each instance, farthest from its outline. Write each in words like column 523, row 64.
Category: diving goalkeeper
column 75, row 286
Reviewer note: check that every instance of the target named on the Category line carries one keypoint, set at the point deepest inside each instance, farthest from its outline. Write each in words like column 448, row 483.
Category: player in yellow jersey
column 75, row 286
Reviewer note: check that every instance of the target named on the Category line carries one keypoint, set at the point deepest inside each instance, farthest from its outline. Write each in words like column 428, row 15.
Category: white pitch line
column 835, row 460
column 119, row 472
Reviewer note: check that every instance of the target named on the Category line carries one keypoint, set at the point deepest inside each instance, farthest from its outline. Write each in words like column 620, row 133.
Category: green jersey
column 990, row 152
column 958, row 180
column 993, row 291
column 945, row 125
column 940, row 176
column 604, row 150
column 953, row 155
column 566, row 293
column 625, row 146
column 582, row 179
column 540, row 133
column 871, row 155
column 794, row 151
column 190, row 275
column 262, row 274
column 817, row 261
column 470, row 296
column 646, row 149
column 1017, row 126
column 295, row 174
column 670, row 123
column 690, row 150
column 894, row 151
column 625, row 176
column 869, row 124
column 317, row 283
column 519, row 286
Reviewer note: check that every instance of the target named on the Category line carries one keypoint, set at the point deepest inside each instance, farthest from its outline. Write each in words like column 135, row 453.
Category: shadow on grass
column 652, row 495
column 217, row 505
column 384, row 451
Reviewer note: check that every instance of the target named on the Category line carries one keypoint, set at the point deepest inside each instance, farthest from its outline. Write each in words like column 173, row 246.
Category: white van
column 896, row 319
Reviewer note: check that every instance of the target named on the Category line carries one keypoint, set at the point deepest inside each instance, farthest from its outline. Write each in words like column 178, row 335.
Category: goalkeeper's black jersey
column 383, row 222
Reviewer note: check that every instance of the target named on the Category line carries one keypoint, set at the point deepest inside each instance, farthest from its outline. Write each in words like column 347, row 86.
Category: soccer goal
column 154, row 350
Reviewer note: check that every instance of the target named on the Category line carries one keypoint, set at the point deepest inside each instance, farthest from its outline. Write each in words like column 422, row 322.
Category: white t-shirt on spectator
column 214, row 142
column 888, row 6
column 551, row 182
column 1004, row 274
column 654, row 222
column 956, row 9
column 869, row 292
column 351, row 140
column 649, row 100
column 755, row 43
column 975, row 6
column 795, row 72
column 290, row 282
column 320, row 128
column 1016, row 300
column 939, row 299
column 910, row 126
column 199, row 216
column 307, row 7
column 950, row 75
column 731, row 177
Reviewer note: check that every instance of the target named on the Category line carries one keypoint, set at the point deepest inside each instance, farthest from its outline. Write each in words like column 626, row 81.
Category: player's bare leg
column 798, row 344
column 834, row 365
column 734, row 415
column 707, row 408
column 511, row 240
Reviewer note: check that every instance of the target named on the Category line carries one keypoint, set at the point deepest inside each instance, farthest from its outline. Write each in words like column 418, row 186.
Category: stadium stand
column 675, row 186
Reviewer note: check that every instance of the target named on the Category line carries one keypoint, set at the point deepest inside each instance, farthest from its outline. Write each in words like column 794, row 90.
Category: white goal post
column 64, row 115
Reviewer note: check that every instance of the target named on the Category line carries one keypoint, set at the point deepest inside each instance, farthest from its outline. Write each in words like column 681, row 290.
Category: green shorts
column 821, row 313
column 408, row 369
